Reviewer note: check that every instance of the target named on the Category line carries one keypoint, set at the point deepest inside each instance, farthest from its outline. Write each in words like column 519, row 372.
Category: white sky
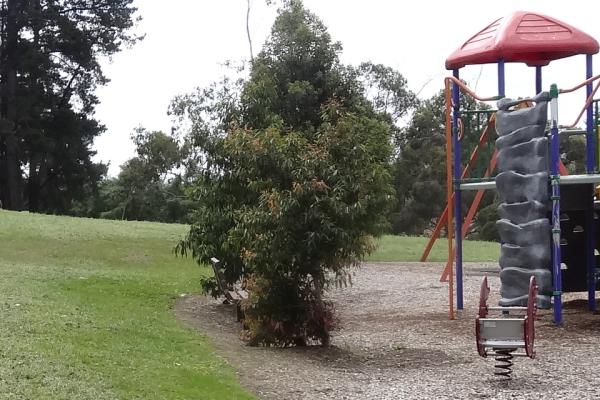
column 187, row 40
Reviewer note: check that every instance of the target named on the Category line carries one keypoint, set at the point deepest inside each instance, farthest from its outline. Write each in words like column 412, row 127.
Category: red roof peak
column 531, row 38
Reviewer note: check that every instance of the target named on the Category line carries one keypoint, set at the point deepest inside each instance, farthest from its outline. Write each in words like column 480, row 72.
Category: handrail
column 588, row 102
column 490, row 111
column 582, row 84
column 471, row 93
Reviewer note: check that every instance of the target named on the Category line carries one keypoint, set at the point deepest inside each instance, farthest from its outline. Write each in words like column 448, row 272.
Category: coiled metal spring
column 503, row 362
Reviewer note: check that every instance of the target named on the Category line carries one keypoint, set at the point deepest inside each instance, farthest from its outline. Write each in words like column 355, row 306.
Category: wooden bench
column 232, row 294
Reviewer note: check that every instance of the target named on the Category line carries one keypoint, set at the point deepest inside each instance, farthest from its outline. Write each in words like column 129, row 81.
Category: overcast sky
column 188, row 40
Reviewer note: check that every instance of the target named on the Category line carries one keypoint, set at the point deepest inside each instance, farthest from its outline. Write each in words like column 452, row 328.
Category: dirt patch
column 395, row 342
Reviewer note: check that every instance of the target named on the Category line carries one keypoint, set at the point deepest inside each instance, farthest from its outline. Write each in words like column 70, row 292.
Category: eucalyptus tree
column 295, row 174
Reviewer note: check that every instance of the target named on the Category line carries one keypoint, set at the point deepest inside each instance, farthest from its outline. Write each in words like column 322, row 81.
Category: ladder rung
column 499, row 308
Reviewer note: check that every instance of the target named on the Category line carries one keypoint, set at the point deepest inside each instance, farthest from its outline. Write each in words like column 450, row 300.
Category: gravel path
column 396, row 342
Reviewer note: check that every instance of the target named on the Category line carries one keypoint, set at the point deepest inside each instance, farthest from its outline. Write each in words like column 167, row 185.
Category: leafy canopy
column 295, row 176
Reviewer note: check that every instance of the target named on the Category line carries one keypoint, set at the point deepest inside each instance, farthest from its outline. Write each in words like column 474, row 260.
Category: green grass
column 405, row 248
column 86, row 310
column 86, row 313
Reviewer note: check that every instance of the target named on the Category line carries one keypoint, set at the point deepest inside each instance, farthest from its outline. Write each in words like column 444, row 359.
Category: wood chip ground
column 395, row 342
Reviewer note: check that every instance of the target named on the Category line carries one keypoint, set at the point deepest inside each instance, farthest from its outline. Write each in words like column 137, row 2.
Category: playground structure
column 535, row 40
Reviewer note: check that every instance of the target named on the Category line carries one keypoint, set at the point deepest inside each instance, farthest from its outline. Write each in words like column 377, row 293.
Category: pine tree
column 49, row 56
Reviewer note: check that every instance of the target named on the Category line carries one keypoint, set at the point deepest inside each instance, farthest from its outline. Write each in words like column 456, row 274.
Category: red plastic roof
column 530, row 38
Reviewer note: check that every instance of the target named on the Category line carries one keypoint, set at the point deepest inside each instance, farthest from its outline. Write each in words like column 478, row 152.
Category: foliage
column 294, row 178
column 49, row 58
column 572, row 149
column 420, row 168
column 386, row 89
column 486, row 223
column 148, row 187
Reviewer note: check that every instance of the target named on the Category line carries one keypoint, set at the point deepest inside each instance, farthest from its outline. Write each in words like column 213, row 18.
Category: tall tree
column 49, row 55
column 296, row 177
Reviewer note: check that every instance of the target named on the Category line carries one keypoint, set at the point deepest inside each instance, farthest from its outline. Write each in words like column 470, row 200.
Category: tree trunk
column 36, row 154
column 248, row 30
column 325, row 337
column 123, row 214
column 11, row 192
column 34, row 183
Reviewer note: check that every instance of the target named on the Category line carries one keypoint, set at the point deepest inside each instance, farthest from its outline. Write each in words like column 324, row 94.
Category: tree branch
column 248, row 30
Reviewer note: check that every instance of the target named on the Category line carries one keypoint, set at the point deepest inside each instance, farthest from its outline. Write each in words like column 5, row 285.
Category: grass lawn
column 86, row 313
column 86, row 310
column 405, row 248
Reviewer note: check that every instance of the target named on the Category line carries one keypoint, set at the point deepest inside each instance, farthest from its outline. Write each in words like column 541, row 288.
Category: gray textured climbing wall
column 523, row 191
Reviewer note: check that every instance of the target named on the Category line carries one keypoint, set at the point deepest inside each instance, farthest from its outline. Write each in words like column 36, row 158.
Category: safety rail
column 469, row 91
column 564, row 180
column 589, row 100
column 477, row 141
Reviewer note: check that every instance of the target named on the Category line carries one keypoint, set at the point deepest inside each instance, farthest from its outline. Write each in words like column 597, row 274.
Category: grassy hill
column 86, row 313
column 86, row 310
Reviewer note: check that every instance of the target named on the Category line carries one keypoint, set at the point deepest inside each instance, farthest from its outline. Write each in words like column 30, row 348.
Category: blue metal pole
column 590, row 167
column 501, row 82
column 590, row 150
column 538, row 79
column 555, row 182
column 457, row 194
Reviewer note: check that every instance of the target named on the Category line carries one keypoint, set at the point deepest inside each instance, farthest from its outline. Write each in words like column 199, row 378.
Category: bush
column 296, row 182
column 294, row 210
